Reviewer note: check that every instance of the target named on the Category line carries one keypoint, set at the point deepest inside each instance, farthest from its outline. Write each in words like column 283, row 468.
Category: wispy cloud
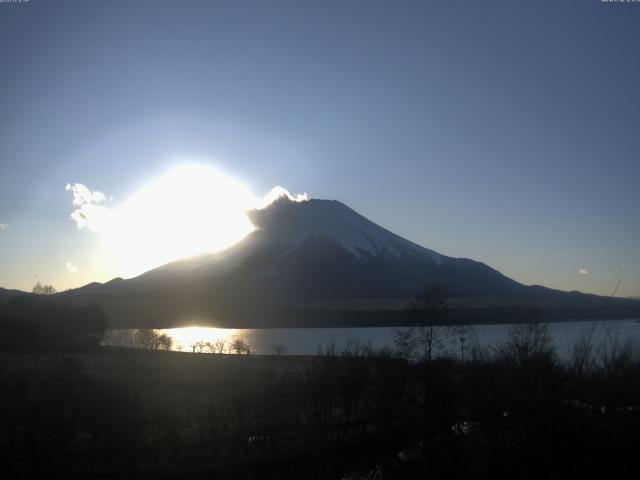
column 583, row 271
column 3, row 226
column 72, row 268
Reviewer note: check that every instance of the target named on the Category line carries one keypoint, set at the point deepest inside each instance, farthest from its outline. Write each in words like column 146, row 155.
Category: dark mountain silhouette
column 305, row 260
column 6, row 293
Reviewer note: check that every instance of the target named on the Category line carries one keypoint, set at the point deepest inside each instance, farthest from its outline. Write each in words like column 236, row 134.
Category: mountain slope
column 302, row 253
column 321, row 249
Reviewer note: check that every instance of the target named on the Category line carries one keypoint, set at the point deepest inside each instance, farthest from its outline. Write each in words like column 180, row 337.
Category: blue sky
column 501, row 131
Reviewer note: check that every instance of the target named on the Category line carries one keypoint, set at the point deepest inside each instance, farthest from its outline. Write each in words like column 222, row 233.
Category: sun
column 188, row 210
column 192, row 208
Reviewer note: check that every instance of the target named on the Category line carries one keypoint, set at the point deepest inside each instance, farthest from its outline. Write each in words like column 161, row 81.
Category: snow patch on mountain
column 288, row 223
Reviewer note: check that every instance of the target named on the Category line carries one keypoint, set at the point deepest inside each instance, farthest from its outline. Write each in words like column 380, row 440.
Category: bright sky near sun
column 133, row 132
column 190, row 209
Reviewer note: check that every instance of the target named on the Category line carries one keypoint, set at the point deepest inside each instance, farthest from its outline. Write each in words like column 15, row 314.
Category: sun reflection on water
column 201, row 339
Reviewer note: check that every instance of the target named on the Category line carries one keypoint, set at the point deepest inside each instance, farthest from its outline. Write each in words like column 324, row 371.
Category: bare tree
column 165, row 341
column 153, row 339
column 616, row 354
column 429, row 312
column 528, row 341
column 354, row 348
column 199, row 346
column 582, row 355
column 219, row 345
column 238, row 346
column 404, row 340
column 40, row 289
column 476, row 351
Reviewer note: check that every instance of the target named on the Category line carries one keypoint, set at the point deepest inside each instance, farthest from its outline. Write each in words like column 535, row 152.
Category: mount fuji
column 307, row 263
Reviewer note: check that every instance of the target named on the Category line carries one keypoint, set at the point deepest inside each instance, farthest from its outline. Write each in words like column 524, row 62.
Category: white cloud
column 88, row 215
column 3, row 226
column 277, row 192
column 72, row 268
column 92, row 217
column 82, row 195
column 583, row 271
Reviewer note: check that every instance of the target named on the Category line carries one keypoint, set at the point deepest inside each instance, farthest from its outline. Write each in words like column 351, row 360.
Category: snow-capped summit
column 291, row 223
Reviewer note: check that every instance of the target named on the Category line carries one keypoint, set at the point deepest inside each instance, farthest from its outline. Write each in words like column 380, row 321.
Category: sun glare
column 189, row 210
column 188, row 337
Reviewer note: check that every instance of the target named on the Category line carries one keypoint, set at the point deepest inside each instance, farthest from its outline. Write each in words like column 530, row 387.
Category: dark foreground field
column 113, row 413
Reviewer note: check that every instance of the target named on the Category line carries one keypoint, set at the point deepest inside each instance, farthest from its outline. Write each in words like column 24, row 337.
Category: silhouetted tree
column 165, row 341
column 429, row 315
column 200, row 346
column 404, row 340
column 238, row 345
column 527, row 342
column 219, row 346
column 153, row 339
column 40, row 289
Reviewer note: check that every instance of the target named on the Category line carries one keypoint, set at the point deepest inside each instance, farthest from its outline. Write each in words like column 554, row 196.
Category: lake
column 311, row 341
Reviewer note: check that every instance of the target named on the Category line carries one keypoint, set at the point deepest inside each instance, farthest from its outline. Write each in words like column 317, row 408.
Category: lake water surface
column 311, row 341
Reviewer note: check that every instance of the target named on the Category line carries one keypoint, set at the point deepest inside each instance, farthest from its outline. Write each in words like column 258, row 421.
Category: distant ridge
column 6, row 293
